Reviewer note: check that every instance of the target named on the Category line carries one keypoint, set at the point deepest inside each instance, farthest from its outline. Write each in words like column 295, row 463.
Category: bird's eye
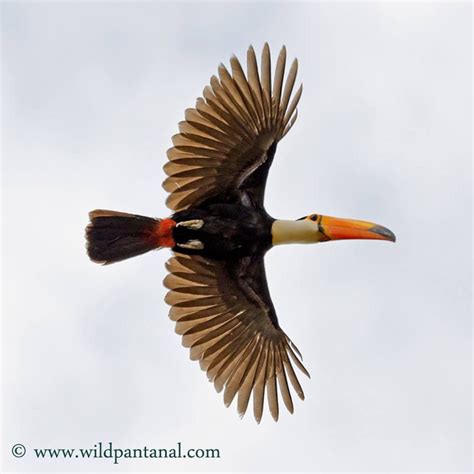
column 314, row 217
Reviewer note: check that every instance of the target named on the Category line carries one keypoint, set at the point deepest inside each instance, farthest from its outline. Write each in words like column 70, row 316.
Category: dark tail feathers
column 114, row 236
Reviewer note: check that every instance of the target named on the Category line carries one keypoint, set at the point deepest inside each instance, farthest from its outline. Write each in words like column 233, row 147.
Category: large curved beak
column 335, row 228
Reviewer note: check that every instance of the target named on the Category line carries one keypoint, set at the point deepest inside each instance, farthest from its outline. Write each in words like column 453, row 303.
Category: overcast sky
column 91, row 95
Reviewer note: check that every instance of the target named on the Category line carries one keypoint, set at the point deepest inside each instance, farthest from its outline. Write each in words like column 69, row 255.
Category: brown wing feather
column 226, row 322
column 230, row 131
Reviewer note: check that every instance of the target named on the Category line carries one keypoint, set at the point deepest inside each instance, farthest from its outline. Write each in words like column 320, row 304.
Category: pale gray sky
column 92, row 94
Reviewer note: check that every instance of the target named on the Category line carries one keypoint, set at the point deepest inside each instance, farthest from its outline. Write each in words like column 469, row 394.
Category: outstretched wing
column 227, row 142
column 224, row 312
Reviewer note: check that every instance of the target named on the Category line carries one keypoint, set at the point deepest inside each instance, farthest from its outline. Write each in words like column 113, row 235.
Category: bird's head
column 318, row 228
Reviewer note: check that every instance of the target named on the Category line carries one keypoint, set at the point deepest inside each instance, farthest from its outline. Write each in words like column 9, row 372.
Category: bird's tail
column 114, row 236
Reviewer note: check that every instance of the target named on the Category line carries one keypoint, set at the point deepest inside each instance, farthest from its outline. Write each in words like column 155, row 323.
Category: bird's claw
column 193, row 224
column 192, row 244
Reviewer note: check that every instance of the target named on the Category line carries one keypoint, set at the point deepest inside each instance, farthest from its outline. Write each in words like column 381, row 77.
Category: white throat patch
column 294, row 232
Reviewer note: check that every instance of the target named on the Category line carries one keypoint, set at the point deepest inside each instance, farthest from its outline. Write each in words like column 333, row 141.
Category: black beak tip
column 384, row 232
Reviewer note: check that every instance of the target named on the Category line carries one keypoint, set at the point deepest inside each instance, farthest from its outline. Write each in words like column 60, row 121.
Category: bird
column 219, row 233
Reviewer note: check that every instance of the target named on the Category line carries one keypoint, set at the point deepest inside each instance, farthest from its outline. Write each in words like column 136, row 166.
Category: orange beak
column 337, row 229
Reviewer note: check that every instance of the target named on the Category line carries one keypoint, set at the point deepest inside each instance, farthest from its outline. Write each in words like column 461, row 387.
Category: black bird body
column 229, row 231
column 219, row 233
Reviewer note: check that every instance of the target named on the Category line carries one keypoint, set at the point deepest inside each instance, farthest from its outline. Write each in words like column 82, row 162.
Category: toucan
column 219, row 233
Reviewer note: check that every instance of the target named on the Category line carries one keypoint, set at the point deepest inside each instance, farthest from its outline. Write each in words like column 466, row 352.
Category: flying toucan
column 220, row 232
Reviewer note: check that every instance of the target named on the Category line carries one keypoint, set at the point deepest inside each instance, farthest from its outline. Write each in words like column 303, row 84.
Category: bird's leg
column 192, row 244
column 193, row 224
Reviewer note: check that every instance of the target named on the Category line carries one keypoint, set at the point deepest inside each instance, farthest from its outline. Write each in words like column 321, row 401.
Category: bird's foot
column 193, row 224
column 192, row 244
